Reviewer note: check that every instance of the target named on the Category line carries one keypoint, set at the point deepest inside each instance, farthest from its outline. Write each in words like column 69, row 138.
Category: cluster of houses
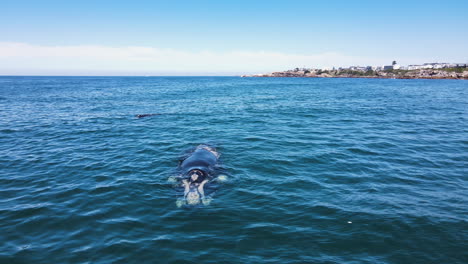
column 436, row 66
column 395, row 66
column 424, row 71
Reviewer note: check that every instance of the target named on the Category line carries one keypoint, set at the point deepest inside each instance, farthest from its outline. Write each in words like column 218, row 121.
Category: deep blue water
column 320, row 170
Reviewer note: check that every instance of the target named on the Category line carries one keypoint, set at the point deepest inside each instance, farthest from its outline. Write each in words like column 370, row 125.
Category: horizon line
column 34, row 75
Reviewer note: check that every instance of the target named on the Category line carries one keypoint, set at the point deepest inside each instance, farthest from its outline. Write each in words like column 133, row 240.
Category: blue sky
column 221, row 37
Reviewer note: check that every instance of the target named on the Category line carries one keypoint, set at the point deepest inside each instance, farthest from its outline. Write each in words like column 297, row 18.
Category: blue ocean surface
column 319, row 170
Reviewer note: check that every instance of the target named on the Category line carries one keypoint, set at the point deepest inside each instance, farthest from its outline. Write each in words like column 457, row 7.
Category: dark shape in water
column 145, row 115
column 196, row 170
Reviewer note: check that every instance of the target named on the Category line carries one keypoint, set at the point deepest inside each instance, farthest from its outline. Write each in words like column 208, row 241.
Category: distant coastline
column 426, row 71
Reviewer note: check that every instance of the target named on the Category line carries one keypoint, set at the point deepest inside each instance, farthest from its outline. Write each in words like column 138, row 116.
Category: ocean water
column 319, row 170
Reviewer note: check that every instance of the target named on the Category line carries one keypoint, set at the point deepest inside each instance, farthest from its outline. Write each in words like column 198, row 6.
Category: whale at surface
column 198, row 176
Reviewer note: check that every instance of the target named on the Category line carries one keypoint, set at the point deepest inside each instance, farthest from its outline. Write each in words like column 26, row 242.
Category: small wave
column 362, row 151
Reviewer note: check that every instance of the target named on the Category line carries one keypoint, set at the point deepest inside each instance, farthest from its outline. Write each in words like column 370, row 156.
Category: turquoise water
column 319, row 170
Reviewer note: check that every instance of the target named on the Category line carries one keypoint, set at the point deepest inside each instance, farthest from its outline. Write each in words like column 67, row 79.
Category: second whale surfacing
column 198, row 175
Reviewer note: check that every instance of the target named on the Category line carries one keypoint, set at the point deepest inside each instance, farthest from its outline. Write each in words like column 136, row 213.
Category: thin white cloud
column 23, row 58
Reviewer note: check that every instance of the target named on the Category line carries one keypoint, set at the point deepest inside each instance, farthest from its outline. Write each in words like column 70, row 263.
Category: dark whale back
column 200, row 159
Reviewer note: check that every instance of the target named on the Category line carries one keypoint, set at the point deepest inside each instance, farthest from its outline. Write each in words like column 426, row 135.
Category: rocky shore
column 449, row 73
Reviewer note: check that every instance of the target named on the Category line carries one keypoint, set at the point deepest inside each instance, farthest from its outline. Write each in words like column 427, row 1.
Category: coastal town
column 392, row 71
